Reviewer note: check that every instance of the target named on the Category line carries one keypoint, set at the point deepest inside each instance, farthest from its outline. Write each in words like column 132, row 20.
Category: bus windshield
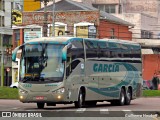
column 42, row 63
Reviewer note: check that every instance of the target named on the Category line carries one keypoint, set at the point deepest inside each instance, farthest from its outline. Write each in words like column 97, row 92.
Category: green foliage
column 8, row 93
column 151, row 93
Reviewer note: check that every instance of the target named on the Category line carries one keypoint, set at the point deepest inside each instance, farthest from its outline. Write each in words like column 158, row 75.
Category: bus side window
column 136, row 51
column 71, row 64
column 91, row 49
column 103, row 50
column 126, row 51
column 74, row 53
column 77, row 49
column 69, row 59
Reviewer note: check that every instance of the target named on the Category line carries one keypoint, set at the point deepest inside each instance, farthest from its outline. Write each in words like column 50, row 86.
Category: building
column 14, row 7
column 5, row 41
column 71, row 18
column 22, row 32
column 79, row 20
column 145, row 15
column 26, row 5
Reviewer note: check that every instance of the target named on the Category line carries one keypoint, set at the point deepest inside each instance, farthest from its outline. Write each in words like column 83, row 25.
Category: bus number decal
column 28, row 85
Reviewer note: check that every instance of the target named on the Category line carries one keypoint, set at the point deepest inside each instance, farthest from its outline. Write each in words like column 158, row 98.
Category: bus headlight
column 23, row 91
column 60, row 91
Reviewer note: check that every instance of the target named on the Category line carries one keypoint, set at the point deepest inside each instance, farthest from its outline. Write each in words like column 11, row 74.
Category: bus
column 83, row 71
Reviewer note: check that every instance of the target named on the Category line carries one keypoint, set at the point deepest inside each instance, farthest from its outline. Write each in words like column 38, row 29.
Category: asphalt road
column 140, row 109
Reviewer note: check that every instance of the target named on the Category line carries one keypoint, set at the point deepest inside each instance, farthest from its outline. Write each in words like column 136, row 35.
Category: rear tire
column 128, row 97
column 40, row 105
column 121, row 100
column 80, row 102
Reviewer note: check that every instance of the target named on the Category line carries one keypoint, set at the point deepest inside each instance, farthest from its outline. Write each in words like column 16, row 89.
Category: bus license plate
column 39, row 98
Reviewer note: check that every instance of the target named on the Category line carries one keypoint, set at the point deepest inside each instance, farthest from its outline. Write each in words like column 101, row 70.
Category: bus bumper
column 42, row 97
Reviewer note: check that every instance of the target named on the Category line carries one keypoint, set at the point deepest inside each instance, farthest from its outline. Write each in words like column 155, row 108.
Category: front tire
column 80, row 102
column 40, row 105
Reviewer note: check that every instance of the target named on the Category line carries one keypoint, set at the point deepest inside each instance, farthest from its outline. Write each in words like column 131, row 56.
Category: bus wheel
column 80, row 102
column 121, row 100
column 128, row 97
column 40, row 105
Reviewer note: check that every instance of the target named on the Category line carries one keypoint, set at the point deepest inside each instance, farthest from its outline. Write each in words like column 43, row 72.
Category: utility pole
column 45, row 23
column 121, row 4
column 53, row 21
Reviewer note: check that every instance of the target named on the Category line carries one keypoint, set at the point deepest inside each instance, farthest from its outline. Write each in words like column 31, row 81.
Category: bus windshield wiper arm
column 25, row 79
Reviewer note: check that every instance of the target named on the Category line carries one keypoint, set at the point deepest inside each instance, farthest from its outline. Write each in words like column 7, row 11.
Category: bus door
column 75, row 68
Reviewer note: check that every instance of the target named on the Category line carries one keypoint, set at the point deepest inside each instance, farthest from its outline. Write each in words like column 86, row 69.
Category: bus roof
column 59, row 40
column 65, row 40
column 119, row 41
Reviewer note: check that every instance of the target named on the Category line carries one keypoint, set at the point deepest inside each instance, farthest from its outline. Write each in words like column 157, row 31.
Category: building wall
column 133, row 6
column 150, row 23
column 99, row 1
column 142, row 22
column 141, row 6
column 5, row 34
column 134, row 19
column 120, row 31
column 105, row 1
column 6, row 13
column 145, row 14
column 151, row 65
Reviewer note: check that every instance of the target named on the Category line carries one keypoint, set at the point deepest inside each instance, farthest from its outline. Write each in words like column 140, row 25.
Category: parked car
column 14, row 85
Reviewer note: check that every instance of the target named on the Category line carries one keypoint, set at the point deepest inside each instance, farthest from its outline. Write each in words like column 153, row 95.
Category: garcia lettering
column 105, row 67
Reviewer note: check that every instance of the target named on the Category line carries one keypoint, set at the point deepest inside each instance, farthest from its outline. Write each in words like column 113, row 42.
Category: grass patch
column 151, row 93
column 8, row 93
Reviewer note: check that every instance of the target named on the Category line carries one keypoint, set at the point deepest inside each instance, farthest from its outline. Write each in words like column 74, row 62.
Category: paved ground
column 140, row 109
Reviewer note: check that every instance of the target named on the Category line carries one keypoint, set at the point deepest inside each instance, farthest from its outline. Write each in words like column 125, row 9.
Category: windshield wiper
column 25, row 79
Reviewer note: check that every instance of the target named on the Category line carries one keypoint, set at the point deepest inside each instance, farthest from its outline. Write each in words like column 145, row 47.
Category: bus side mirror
column 64, row 56
column 14, row 54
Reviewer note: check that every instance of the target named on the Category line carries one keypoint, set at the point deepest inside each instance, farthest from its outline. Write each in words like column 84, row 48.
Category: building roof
column 69, row 5
column 111, row 18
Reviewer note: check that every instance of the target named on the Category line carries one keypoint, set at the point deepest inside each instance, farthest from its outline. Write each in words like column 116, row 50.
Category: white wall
column 141, row 22
column 7, row 14
column 149, row 23
column 133, row 19
column 7, row 19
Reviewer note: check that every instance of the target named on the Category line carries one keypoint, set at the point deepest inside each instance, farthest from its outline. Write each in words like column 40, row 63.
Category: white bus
column 63, row 70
